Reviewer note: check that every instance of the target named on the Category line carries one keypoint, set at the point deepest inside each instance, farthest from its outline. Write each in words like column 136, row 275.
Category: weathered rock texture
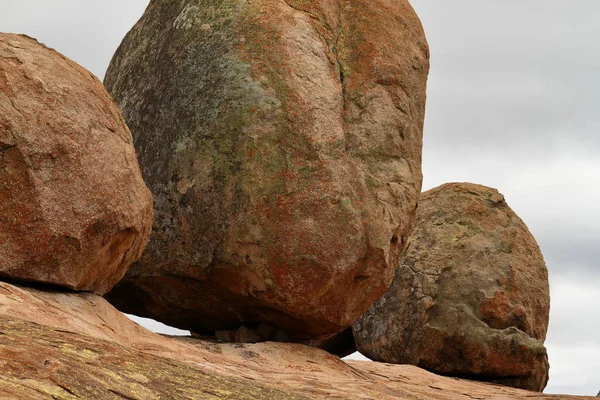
column 282, row 143
column 470, row 297
column 69, row 346
column 74, row 210
column 59, row 365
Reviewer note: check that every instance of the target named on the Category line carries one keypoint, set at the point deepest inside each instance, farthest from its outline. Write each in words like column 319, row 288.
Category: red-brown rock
column 66, row 346
column 245, row 335
column 470, row 297
column 74, row 210
column 282, row 143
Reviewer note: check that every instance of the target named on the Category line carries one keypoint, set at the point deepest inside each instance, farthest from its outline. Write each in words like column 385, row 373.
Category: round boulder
column 74, row 210
column 282, row 143
column 470, row 297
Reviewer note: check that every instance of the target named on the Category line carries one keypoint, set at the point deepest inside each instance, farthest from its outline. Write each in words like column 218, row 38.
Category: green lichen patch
column 42, row 363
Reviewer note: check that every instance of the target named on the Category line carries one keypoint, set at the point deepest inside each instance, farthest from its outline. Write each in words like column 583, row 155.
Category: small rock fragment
column 280, row 336
column 282, row 166
column 265, row 331
column 245, row 335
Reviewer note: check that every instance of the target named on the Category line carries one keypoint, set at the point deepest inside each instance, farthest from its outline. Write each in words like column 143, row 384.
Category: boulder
column 74, row 210
column 282, row 143
column 470, row 297
column 71, row 345
column 245, row 335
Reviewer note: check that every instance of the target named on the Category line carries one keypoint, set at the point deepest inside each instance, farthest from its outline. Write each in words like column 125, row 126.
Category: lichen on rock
column 470, row 297
column 282, row 143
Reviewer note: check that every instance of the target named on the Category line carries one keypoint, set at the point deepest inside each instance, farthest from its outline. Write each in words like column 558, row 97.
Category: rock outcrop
column 74, row 210
column 282, row 143
column 470, row 297
column 69, row 346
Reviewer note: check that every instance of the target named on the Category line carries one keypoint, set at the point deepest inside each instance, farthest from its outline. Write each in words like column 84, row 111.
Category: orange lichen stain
column 475, row 207
column 497, row 308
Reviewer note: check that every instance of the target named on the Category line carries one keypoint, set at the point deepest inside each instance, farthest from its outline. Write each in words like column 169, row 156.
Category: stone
column 76, row 345
column 470, row 297
column 265, row 332
column 74, row 210
column 282, row 143
column 280, row 336
column 226, row 336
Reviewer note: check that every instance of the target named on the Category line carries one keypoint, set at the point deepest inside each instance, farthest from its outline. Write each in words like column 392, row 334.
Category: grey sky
column 513, row 101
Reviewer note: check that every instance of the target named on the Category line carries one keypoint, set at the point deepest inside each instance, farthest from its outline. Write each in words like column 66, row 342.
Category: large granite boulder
column 74, row 210
column 282, row 143
column 470, row 297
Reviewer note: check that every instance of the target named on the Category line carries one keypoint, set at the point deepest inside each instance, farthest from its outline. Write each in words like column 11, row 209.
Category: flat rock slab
column 68, row 346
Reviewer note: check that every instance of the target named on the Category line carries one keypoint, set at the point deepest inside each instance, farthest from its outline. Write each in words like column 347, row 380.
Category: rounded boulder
column 470, row 297
column 282, row 143
column 74, row 210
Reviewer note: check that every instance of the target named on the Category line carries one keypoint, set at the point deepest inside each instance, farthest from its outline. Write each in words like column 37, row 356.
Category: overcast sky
column 513, row 103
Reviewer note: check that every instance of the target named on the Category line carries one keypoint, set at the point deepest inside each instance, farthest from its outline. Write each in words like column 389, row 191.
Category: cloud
column 572, row 340
column 88, row 32
column 516, row 75
column 512, row 103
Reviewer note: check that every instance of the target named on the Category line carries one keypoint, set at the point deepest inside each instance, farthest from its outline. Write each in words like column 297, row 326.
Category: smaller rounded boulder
column 74, row 209
column 470, row 297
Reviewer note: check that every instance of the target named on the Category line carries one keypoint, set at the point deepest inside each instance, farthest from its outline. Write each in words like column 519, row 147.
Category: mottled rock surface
column 282, row 143
column 69, row 346
column 39, row 363
column 470, row 297
column 74, row 210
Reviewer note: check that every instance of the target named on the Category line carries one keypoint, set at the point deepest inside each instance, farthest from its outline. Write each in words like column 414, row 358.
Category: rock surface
column 282, row 143
column 68, row 346
column 470, row 297
column 51, row 364
column 74, row 210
